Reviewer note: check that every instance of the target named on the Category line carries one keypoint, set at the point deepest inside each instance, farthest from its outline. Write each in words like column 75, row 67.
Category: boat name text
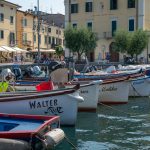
column 111, row 88
column 50, row 105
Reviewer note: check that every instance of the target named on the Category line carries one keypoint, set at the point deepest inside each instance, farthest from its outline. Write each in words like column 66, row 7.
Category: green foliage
column 122, row 40
column 132, row 43
column 138, row 42
column 59, row 50
column 80, row 40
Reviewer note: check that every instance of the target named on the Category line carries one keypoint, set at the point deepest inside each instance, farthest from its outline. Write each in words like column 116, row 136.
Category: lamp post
column 38, row 31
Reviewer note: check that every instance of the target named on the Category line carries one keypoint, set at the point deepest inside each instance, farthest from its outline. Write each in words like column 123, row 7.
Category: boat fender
column 52, row 138
column 9, row 144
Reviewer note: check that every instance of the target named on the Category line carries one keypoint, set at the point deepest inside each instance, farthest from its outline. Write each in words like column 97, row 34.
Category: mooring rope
column 135, row 90
column 130, row 114
column 67, row 139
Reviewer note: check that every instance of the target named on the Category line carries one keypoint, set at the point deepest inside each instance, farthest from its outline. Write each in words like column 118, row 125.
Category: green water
column 125, row 127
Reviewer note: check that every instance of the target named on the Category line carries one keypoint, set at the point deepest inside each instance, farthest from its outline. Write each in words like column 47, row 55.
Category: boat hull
column 90, row 94
column 88, row 90
column 140, row 87
column 114, row 93
column 64, row 105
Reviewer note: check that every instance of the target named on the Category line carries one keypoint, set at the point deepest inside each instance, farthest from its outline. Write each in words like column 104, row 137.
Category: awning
column 8, row 49
column 44, row 50
column 17, row 49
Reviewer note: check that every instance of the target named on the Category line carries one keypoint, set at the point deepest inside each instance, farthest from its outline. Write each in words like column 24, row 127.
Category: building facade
column 104, row 17
column 27, row 32
column 8, row 23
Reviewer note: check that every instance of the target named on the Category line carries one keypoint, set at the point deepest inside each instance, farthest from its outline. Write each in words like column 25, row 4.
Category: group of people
column 44, row 59
column 19, row 58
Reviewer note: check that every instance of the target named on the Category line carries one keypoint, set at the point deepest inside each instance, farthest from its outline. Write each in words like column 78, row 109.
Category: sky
column 50, row 6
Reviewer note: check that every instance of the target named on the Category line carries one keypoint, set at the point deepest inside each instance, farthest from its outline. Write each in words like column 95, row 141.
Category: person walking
column 22, row 58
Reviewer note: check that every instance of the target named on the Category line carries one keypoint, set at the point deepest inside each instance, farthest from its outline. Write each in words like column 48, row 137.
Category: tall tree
column 122, row 39
column 80, row 40
column 132, row 43
column 138, row 42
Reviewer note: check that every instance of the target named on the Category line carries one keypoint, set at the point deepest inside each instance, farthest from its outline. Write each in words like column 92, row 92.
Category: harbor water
column 116, row 127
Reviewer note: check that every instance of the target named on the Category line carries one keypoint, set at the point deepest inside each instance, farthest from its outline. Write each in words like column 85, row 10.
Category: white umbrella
column 2, row 49
column 8, row 48
column 44, row 50
column 19, row 49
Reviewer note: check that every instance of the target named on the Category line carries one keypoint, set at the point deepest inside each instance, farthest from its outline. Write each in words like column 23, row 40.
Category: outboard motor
column 36, row 70
column 18, row 73
column 29, row 71
column 7, row 75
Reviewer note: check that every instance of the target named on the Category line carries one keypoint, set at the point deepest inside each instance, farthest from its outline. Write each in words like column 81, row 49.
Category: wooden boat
column 140, row 87
column 88, row 90
column 35, row 130
column 111, row 91
column 62, row 102
column 105, row 76
column 114, row 91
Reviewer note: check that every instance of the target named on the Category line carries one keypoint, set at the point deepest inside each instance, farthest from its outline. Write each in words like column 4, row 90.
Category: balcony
column 107, row 35
column 27, row 43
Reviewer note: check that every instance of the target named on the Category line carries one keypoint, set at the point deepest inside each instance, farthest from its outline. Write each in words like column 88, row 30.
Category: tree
column 59, row 51
column 132, row 43
column 138, row 42
column 80, row 40
column 122, row 40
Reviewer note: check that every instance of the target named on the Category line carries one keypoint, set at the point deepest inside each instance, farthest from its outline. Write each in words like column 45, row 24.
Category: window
column 1, row 34
column 74, row 8
column 53, row 42
column 56, row 31
column 74, row 25
column 1, row 17
column 114, row 27
column 88, row 7
column 34, row 38
column 12, row 38
column 49, row 40
column 49, row 30
column 113, row 4
column 131, row 3
column 89, row 25
column 45, row 39
column 24, row 37
column 59, row 32
column 131, row 24
column 60, row 41
column 11, row 19
column 57, row 41
column 24, row 22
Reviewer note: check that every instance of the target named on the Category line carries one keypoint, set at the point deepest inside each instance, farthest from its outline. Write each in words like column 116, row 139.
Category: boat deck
column 10, row 124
